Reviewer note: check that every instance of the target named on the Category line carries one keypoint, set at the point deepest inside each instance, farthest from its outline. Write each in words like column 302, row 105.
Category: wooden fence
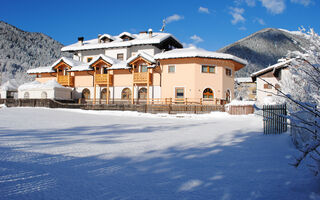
column 156, row 108
column 274, row 119
column 240, row 109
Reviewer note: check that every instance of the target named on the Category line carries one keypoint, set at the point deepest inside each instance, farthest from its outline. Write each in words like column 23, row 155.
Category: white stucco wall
column 263, row 93
column 56, row 93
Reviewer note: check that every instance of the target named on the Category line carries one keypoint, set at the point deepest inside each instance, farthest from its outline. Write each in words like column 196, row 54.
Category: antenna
column 163, row 25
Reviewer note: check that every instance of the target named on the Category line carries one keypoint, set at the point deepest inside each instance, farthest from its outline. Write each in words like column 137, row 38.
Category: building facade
column 143, row 68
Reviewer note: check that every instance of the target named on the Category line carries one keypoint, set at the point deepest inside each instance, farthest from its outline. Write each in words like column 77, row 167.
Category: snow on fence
column 274, row 119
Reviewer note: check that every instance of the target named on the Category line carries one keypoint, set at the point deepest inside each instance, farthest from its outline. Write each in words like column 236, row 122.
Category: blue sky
column 210, row 24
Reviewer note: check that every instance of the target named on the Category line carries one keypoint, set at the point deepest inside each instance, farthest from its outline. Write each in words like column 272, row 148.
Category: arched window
column 126, row 94
column 26, row 95
column 103, row 94
column 44, row 95
column 86, row 93
column 228, row 96
column 208, row 94
column 142, row 94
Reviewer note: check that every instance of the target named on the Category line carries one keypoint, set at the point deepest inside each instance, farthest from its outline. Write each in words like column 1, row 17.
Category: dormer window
column 125, row 36
column 105, row 38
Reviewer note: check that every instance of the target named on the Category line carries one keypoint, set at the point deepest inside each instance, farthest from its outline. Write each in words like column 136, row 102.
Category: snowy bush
column 300, row 89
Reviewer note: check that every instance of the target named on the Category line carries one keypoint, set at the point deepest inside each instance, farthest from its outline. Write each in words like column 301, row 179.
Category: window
column 228, row 96
column 103, row 94
column 179, row 93
column 126, row 94
column 89, row 59
column 26, row 95
column 142, row 94
column 44, row 95
column 228, row 72
column 277, row 86
column 143, row 68
column 267, row 86
column 86, row 93
column 208, row 69
column 120, row 56
column 208, row 94
column 171, row 69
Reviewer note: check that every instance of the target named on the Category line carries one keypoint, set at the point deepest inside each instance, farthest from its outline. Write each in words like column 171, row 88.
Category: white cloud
column 204, row 10
column 251, row 3
column 260, row 21
column 242, row 28
column 173, row 18
column 196, row 39
column 188, row 45
column 303, row 2
column 274, row 6
column 237, row 15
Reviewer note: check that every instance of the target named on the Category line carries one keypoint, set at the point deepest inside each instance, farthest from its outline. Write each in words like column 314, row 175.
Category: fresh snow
column 282, row 63
column 47, row 69
column 10, row 85
column 77, row 154
column 37, row 85
column 196, row 52
column 143, row 55
column 138, row 39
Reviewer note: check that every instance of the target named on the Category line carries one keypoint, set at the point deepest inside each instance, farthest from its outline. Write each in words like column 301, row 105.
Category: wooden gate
column 274, row 119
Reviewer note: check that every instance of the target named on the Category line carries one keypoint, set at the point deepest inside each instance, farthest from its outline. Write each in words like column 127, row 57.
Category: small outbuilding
column 9, row 90
column 48, row 90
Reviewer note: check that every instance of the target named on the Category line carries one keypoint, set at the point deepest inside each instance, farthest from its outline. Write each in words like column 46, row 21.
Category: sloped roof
column 142, row 54
column 138, row 39
column 47, row 69
column 115, row 63
column 195, row 52
column 280, row 64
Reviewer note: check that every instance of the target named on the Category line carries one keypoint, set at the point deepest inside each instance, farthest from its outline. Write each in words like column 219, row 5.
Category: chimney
column 80, row 40
column 150, row 33
column 99, row 40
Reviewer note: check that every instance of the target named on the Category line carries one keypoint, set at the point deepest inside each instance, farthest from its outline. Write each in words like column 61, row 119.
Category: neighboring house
column 148, row 67
column 272, row 74
column 245, row 89
column 9, row 90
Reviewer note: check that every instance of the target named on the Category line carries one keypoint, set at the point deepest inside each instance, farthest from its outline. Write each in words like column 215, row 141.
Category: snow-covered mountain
column 264, row 48
column 21, row 50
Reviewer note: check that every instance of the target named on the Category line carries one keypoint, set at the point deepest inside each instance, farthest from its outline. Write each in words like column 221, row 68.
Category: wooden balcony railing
column 142, row 77
column 66, row 80
column 104, row 79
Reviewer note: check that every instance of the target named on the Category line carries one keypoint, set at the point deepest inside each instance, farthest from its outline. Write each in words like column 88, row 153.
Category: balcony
column 104, row 79
column 66, row 80
column 142, row 77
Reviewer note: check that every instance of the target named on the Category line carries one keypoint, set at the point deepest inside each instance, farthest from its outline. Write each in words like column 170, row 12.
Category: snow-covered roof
column 69, row 61
column 10, row 85
column 108, row 59
column 195, row 52
column 143, row 55
column 120, row 65
column 107, row 36
column 243, row 80
column 281, row 64
column 138, row 39
column 51, row 84
column 126, row 34
column 47, row 69
column 115, row 63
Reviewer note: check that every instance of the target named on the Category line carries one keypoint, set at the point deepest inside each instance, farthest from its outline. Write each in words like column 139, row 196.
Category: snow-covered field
column 75, row 154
